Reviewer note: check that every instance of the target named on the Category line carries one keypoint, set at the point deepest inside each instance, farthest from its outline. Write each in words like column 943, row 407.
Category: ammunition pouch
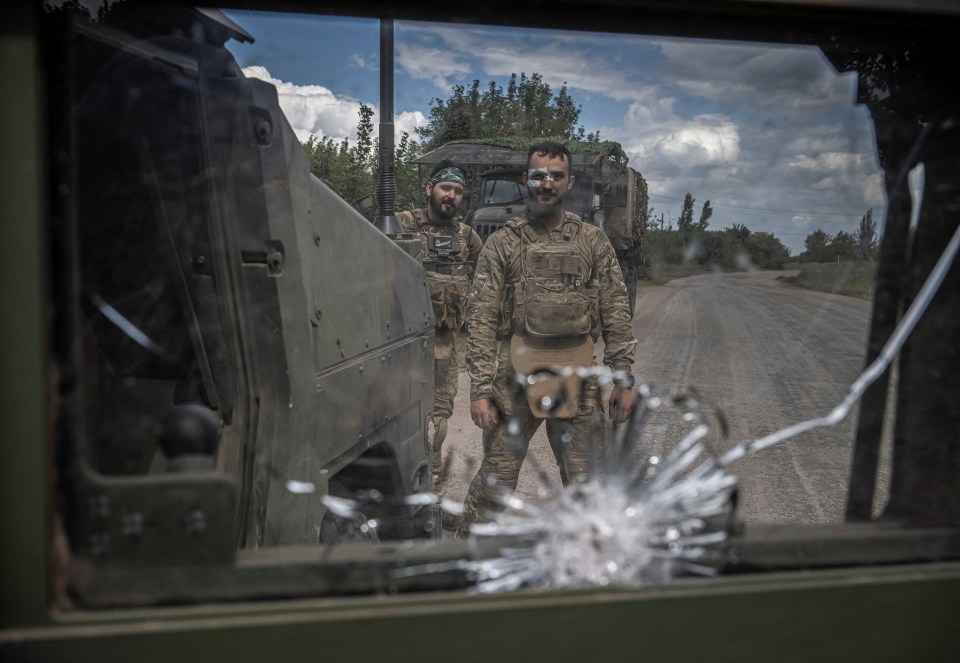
column 443, row 268
column 448, row 294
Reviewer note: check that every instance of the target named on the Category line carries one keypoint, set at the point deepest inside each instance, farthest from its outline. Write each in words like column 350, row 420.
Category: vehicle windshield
column 499, row 190
column 260, row 348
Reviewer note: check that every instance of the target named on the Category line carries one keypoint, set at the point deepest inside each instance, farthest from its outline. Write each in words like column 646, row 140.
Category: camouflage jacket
column 499, row 269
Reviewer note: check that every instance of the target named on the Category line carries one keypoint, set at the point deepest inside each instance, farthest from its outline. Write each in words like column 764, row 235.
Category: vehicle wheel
column 336, row 529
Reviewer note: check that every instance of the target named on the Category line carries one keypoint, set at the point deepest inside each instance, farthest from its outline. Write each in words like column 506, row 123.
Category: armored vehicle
column 208, row 318
column 607, row 193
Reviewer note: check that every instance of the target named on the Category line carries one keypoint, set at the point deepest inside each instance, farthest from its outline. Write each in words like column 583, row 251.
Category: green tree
column 363, row 153
column 766, row 250
column 348, row 170
column 739, row 231
column 527, row 108
column 732, row 248
column 867, row 238
column 685, row 221
column 843, row 246
column 409, row 187
column 705, row 215
column 663, row 247
column 816, row 244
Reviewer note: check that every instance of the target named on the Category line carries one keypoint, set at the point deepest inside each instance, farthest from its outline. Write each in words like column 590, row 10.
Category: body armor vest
column 446, row 249
column 555, row 295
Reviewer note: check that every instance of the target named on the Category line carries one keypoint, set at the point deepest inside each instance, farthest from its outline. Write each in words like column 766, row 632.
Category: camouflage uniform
column 448, row 273
column 490, row 327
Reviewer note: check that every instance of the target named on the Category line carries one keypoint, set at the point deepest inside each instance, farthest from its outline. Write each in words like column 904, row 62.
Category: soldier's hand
column 484, row 413
column 620, row 405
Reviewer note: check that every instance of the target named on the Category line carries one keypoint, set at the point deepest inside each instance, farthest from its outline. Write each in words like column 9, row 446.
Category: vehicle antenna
column 386, row 221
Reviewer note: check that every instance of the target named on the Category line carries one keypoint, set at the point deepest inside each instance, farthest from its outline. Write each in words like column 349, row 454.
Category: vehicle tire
column 335, row 529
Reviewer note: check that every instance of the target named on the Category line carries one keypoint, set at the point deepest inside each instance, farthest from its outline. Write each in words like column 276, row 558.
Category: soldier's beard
column 548, row 206
column 440, row 211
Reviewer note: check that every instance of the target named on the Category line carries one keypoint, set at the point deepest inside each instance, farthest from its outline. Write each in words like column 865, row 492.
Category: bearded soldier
column 547, row 286
column 449, row 255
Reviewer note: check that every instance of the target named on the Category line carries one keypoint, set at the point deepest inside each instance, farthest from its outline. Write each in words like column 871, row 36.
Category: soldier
column 547, row 285
column 449, row 255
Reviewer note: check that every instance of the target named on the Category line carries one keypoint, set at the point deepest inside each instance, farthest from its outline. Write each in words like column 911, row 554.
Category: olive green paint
column 23, row 449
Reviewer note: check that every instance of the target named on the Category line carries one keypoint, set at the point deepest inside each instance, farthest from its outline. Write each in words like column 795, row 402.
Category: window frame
column 907, row 605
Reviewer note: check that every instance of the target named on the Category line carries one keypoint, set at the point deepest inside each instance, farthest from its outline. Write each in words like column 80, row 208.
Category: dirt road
column 765, row 354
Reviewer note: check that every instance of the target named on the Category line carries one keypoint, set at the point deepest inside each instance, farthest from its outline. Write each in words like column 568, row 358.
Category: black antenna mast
column 386, row 176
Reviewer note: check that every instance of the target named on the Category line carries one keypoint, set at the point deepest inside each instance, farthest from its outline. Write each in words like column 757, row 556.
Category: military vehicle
column 205, row 308
column 148, row 570
column 607, row 193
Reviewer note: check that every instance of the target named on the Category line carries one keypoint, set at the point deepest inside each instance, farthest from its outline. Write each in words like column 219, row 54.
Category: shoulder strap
column 521, row 226
column 418, row 217
column 571, row 226
column 411, row 218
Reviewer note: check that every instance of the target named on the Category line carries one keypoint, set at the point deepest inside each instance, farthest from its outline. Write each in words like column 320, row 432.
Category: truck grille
column 486, row 228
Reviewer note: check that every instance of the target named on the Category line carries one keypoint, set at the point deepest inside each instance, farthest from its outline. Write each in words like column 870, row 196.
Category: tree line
column 692, row 242
column 861, row 246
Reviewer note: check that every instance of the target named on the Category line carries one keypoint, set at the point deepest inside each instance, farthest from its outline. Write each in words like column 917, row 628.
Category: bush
column 853, row 279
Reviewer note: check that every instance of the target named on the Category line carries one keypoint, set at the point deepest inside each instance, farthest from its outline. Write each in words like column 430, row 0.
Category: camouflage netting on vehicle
column 507, row 149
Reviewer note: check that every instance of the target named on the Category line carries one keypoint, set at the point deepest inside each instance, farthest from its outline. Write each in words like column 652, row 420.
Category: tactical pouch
column 443, row 244
column 448, row 294
column 555, row 301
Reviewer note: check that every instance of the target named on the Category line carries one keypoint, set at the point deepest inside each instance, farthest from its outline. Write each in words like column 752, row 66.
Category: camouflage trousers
column 445, row 370
column 576, row 454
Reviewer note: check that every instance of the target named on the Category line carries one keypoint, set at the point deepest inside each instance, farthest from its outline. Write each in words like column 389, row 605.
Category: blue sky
column 770, row 135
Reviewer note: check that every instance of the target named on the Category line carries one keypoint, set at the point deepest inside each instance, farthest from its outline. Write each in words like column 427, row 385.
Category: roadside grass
column 853, row 279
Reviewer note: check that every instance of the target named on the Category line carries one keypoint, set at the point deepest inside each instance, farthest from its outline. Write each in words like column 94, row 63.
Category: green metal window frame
column 871, row 613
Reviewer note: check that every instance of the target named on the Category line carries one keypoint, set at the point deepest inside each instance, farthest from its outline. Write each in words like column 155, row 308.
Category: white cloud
column 701, row 142
column 433, row 64
column 806, row 144
column 570, row 61
column 312, row 109
column 656, row 139
column 875, row 190
column 829, row 162
column 789, row 79
column 408, row 121
column 315, row 110
column 361, row 62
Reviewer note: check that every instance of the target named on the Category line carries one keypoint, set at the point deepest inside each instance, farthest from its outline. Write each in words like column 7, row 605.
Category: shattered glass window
column 251, row 351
